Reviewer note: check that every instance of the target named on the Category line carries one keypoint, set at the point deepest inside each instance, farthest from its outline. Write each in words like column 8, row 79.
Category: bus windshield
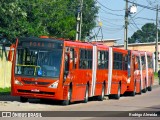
column 38, row 63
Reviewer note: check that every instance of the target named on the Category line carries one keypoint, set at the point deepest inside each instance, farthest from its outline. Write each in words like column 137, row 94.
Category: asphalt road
column 149, row 101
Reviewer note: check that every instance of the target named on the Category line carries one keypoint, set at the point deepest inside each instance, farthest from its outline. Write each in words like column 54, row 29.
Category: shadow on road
column 9, row 98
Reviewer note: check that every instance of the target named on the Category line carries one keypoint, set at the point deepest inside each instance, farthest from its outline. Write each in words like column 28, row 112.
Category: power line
column 135, row 24
column 144, row 18
column 143, row 6
column 110, row 22
column 143, row 9
column 108, row 8
column 111, row 13
column 114, row 20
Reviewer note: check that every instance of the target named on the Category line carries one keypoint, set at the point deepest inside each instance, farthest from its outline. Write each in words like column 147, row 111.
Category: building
column 150, row 47
column 108, row 42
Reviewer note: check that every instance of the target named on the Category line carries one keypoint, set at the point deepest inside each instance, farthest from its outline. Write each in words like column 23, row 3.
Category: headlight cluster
column 54, row 85
column 17, row 82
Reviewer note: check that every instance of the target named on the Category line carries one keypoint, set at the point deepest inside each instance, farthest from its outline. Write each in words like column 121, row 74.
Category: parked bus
column 117, row 72
column 150, row 70
column 68, row 71
column 140, row 72
column 134, row 73
column 147, row 71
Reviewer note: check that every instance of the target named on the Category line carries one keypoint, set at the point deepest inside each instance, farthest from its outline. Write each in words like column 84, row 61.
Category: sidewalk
column 156, row 82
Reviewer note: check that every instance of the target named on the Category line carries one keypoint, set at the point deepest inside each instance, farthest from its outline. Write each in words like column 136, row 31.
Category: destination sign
column 41, row 44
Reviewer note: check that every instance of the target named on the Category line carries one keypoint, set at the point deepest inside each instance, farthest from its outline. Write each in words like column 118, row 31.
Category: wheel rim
column 135, row 88
column 86, row 96
column 119, row 92
column 69, row 96
column 103, row 92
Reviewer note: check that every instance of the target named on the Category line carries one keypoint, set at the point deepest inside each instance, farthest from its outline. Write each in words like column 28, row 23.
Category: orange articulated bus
column 49, row 68
column 117, row 72
column 134, row 73
column 65, row 70
column 140, row 72
column 149, row 59
column 147, row 71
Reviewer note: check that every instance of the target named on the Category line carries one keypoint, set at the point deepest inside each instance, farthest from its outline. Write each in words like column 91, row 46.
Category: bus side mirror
column 10, row 54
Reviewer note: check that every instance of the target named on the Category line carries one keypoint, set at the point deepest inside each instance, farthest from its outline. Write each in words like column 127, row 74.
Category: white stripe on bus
column 94, row 70
column 146, row 68
column 110, row 68
column 141, row 72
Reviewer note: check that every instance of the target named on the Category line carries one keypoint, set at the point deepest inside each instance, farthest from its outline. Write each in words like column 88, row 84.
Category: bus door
column 70, row 71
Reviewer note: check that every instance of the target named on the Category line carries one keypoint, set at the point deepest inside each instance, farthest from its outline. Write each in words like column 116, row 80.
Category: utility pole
column 126, row 27
column 156, row 47
column 79, row 22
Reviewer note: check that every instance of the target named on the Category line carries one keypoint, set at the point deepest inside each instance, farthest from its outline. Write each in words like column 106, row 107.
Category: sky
column 112, row 12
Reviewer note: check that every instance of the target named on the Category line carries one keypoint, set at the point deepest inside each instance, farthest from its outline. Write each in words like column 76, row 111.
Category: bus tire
column 101, row 97
column 86, row 95
column 145, row 89
column 110, row 97
column 23, row 99
column 150, row 87
column 117, row 96
column 67, row 102
column 140, row 92
column 133, row 93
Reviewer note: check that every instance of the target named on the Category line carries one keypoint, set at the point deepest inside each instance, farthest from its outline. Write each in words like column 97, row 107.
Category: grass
column 5, row 91
column 155, row 75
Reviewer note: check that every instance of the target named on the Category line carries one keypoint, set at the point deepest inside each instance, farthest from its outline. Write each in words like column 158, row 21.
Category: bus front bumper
column 37, row 92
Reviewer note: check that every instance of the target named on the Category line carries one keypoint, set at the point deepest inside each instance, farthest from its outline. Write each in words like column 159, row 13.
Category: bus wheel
column 140, row 87
column 23, row 99
column 145, row 89
column 101, row 97
column 110, row 97
column 67, row 102
column 150, row 87
column 86, row 95
column 117, row 96
column 134, row 92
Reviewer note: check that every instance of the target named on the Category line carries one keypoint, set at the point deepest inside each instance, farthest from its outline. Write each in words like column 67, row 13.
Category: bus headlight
column 128, row 80
column 17, row 82
column 54, row 85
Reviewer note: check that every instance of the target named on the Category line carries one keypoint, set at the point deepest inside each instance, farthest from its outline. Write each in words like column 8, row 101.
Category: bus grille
column 41, row 92
column 35, row 83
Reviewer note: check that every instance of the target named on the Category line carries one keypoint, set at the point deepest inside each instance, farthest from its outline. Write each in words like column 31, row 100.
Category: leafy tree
column 146, row 34
column 55, row 18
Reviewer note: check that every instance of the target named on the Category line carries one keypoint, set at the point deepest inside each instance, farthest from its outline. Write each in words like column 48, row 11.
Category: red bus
column 149, row 59
column 140, row 72
column 117, row 76
column 134, row 73
column 49, row 68
column 147, row 71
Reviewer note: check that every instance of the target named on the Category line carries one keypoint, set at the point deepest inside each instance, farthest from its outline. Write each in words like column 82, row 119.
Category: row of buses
column 48, row 68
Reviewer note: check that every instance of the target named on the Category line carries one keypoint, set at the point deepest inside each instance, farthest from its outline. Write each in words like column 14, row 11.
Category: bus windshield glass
column 38, row 62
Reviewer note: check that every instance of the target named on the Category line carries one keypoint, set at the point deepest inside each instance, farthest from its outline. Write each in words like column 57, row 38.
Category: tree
column 55, row 18
column 146, row 34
